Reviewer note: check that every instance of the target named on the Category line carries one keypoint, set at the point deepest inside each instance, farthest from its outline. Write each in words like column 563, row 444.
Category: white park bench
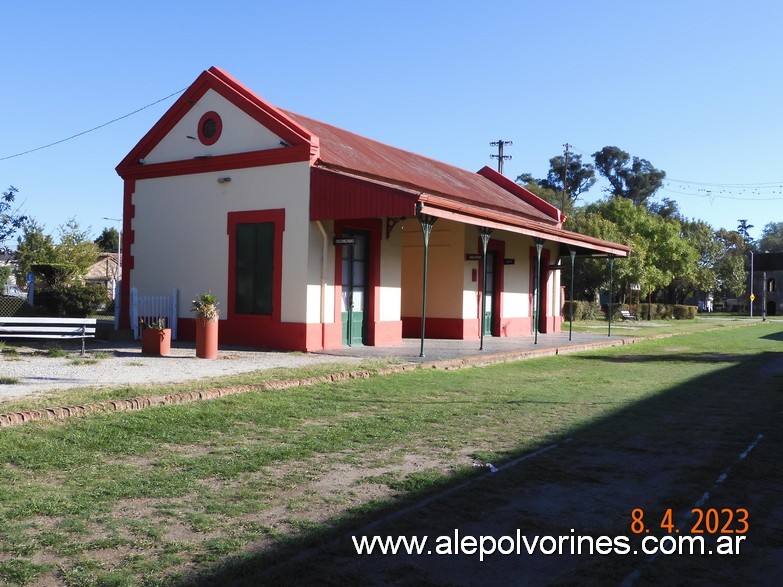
column 626, row 315
column 48, row 328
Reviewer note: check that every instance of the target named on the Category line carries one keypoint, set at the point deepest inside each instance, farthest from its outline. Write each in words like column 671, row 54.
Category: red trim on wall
column 461, row 329
column 291, row 336
column 211, row 140
column 255, row 217
column 553, row 324
column 127, row 260
column 388, row 333
column 219, row 163
column 546, row 276
column 375, row 330
column 332, row 331
column 450, row 328
column 215, row 79
column 516, row 326
column 338, row 196
column 522, row 193
column 499, row 248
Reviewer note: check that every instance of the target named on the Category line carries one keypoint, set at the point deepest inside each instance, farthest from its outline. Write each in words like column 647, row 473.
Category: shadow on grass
column 662, row 451
column 774, row 336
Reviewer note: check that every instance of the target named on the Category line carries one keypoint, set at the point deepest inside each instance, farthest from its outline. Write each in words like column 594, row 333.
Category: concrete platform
column 436, row 350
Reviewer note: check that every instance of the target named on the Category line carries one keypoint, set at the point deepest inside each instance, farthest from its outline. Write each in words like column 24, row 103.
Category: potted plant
column 155, row 337
column 206, row 308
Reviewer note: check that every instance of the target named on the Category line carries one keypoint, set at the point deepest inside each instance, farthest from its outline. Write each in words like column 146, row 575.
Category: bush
column 70, row 300
column 681, row 312
column 667, row 312
column 583, row 310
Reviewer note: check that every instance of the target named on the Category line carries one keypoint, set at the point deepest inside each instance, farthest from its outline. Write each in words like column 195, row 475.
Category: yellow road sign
column 752, row 297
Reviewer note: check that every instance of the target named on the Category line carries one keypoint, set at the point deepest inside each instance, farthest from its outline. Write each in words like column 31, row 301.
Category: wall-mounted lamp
column 225, row 179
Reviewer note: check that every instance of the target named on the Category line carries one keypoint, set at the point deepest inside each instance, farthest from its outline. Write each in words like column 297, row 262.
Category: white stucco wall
column 181, row 235
column 516, row 300
column 240, row 133
column 391, row 276
column 470, row 293
column 555, row 302
column 314, row 269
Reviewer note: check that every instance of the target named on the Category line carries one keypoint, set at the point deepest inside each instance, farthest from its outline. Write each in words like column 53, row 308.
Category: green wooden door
column 354, row 289
column 488, row 315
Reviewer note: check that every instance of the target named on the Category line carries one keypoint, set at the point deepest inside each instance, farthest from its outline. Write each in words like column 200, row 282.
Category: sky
column 694, row 87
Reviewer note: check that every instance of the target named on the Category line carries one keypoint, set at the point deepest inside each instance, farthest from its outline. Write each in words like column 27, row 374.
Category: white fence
column 150, row 308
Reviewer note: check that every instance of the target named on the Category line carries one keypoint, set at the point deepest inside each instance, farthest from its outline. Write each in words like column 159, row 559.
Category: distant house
column 768, row 280
column 103, row 272
column 312, row 237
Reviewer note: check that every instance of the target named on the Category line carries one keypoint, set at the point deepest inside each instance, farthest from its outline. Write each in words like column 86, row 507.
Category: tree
column 660, row 254
column 547, row 194
column 772, row 238
column 76, row 248
column 632, row 178
column 67, row 260
column 109, row 240
column 730, row 269
column 703, row 239
column 61, row 291
column 668, row 208
column 580, row 177
column 743, row 229
column 33, row 246
column 11, row 219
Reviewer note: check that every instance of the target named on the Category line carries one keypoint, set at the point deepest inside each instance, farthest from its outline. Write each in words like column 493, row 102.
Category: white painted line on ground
column 636, row 573
column 411, row 508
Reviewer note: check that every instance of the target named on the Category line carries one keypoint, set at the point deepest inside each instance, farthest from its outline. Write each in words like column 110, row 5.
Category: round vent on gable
column 209, row 128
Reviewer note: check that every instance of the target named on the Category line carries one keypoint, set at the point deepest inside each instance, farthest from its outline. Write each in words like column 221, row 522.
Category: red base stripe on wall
column 287, row 336
column 459, row 329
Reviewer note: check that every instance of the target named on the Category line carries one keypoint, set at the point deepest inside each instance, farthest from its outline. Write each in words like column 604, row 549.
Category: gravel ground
column 123, row 364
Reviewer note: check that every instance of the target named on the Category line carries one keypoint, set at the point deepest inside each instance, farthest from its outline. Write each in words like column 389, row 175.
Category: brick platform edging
column 185, row 397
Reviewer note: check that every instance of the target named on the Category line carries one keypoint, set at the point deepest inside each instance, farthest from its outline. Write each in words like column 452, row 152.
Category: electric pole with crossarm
column 500, row 156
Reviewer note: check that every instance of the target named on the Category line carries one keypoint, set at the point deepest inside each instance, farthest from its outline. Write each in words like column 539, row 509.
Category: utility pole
column 565, row 177
column 500, row 156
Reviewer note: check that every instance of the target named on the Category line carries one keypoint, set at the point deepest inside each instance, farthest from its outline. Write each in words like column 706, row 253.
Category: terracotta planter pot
column 156, row 342
column 206, row 338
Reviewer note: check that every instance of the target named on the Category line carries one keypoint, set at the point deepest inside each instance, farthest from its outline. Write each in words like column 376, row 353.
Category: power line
column 92, row 129
column 726, row 195
column 728, row 185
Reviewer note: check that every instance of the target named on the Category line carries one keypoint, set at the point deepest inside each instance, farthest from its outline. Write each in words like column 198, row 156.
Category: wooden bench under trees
column 48, row 328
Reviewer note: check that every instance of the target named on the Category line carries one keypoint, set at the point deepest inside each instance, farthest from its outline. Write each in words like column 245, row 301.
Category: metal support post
column 537, row 291
column 611, row 267
column 571, row 303
column 751, row 283
column 484, row 233
column 426, row 222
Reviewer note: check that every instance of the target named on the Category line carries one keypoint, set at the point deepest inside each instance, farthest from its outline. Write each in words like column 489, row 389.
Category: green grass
column 642, row 328
column 56, row 352
column 5, row 380
column 142, row 497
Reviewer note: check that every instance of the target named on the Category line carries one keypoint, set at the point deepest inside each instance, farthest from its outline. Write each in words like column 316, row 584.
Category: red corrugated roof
column 349, row 152
column 396, row 178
